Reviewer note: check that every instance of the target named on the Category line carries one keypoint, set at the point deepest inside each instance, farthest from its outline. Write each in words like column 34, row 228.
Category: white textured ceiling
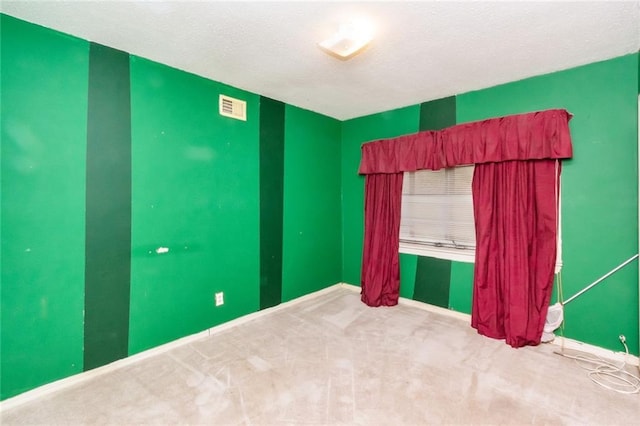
column 421, row 51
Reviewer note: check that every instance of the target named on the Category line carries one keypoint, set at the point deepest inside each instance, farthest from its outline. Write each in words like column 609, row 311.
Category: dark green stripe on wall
column 438, row 114
column 433, row 276
column 271, row 200
column 433, row 279
column 108, row 208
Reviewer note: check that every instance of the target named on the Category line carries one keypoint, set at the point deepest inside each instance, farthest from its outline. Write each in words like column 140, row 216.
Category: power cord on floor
column 606, row 373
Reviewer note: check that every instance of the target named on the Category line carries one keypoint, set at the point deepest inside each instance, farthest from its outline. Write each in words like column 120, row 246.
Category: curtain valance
column 530, row 136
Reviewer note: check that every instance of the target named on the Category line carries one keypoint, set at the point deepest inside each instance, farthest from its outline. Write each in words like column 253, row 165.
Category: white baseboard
column 66, row 382
column 421, row 305
column 576, row 345
column 558, row 341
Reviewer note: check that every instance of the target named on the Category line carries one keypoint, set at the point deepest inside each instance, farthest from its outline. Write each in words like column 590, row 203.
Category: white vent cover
column 234, row 108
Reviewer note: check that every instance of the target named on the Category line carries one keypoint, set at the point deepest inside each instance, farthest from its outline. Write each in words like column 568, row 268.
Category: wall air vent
column 234, row 108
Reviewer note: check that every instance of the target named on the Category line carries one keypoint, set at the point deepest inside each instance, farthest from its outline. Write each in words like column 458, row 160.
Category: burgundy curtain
column 515, row 211
column 512, row 287
column 381, row 277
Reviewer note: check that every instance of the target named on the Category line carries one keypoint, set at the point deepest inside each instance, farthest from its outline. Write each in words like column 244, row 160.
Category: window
column 437, row 215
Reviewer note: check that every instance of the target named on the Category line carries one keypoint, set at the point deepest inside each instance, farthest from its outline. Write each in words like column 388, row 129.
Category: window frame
column 468, row 254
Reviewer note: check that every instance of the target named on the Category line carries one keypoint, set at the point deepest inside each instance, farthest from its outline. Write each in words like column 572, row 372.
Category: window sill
column 459, row 255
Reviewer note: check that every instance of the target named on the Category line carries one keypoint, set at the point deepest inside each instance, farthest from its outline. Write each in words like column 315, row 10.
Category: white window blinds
column 437, row 213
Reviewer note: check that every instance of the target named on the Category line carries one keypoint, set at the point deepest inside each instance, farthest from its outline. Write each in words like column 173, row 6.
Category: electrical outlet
column 219, row 298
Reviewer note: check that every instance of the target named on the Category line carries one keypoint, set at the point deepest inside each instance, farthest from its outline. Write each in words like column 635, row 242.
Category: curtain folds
column 536, row 135
column 380, row 280
column 514, row 191
column 515, row 210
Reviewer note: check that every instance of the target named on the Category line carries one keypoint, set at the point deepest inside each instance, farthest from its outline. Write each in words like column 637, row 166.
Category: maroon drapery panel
column 381, row 279
column 519, row 138
column 515, row 209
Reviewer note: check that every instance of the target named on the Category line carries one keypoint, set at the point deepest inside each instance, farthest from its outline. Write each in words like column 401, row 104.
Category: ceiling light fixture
column 350, row 40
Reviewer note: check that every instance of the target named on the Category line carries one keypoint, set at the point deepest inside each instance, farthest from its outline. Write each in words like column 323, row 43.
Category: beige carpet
column 331, row 360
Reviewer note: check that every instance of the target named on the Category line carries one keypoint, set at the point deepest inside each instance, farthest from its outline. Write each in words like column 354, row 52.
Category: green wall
column 195, row 191
column 107, row 157
column 312, row 217
column 599, row 192
column 44, row 131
